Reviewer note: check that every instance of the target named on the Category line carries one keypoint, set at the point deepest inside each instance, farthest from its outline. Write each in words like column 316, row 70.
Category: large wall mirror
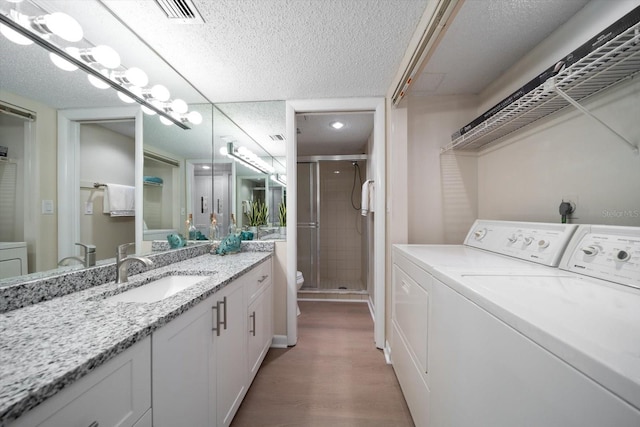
column 53, row 201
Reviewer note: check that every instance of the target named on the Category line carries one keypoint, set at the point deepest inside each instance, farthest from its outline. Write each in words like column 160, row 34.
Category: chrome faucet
column 89, row 259
column 123, row 261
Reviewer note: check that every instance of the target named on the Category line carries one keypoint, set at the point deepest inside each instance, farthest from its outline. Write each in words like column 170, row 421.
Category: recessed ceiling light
column 206, row 167
column 337, row 125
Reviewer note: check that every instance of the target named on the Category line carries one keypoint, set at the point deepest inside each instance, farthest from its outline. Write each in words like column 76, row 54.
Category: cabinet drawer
column 117, row 393
column 257, row 279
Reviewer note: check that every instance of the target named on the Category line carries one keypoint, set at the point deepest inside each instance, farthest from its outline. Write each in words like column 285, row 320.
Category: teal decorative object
column 230, row 245
column 246, row 235
column 176, row 241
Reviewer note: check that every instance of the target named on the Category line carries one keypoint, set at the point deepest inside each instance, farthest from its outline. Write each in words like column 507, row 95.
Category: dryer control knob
column 543, row 244
column 479, row 234
column 623, row 256
column 590, row 250
column 513, row 238
column 528, row 240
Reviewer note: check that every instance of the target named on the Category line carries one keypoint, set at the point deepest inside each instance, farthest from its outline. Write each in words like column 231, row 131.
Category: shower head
column 354, row 163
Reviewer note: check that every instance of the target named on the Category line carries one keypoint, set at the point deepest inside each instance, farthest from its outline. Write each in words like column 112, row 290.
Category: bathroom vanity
column 102, row 357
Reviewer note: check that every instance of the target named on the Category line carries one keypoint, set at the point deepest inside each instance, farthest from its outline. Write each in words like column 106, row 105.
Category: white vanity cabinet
column 230, row 351
column 117, row 393
column 184, row 369
column 260, row 317
column 410, row 312
column 200, row 358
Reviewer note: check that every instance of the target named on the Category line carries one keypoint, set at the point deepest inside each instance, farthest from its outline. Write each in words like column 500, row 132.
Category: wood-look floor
column 333, row 377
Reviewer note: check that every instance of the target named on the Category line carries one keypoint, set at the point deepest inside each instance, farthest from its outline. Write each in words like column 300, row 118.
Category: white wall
column 105, row 157
column 569, row 156
column 442, row 189
column 42, row 241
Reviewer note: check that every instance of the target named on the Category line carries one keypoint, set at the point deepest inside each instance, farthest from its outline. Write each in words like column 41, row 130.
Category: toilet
column 299, row 282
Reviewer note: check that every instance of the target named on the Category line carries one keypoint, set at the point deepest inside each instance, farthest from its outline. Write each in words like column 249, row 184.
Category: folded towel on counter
column 152, row 180
column 368, row 199
column 119, row 200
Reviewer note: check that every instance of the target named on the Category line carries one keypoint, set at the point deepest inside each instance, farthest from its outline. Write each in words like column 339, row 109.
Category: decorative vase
column 283, row 231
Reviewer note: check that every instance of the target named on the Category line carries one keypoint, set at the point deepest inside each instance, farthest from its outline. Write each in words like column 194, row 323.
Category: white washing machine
column 556, row 348
column 13, row 259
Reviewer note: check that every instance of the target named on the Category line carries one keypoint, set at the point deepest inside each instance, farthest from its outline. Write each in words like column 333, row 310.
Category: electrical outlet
column 572, row 199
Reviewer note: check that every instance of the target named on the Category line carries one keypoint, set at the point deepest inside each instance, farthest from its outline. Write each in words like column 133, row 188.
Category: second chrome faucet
column 123, row 261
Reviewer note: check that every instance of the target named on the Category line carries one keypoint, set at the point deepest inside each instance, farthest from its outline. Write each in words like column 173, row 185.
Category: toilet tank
column 13, row 259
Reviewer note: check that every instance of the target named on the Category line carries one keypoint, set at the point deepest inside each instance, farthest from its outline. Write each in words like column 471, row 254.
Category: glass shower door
column 308, row 226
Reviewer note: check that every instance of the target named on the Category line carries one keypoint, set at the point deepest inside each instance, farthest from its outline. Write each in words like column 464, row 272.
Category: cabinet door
column 230, row 353
column 116, row 394
column 260, row 327
column 183, row 369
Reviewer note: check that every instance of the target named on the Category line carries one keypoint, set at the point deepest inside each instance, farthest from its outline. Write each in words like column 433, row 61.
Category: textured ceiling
column 254, row 50
column 486, row 38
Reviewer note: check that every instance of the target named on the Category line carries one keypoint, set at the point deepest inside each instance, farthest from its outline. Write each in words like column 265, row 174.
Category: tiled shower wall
column 342, row 228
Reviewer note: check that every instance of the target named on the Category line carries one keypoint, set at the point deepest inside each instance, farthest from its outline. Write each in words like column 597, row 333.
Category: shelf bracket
column 550, row 85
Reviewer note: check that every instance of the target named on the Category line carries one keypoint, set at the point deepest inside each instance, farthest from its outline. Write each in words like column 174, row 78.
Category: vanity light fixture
column 279, row 179
column 101, row 63
column 248, row 158
column 337, row 125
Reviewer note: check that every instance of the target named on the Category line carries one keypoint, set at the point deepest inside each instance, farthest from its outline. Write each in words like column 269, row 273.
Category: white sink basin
column 158, row 289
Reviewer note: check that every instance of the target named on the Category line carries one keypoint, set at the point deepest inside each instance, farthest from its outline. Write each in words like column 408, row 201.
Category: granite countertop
column 47, row 346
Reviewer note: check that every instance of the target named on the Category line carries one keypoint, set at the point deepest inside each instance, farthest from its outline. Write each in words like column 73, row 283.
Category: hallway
column 333, row 377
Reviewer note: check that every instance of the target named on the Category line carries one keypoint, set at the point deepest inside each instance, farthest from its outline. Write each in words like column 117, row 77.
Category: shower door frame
column 317, row 160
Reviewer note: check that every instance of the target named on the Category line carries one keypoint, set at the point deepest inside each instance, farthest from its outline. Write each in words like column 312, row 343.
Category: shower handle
column 309, row 224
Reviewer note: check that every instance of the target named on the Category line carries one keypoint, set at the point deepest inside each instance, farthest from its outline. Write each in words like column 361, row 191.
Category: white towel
column 368, row 197
column 119, row 200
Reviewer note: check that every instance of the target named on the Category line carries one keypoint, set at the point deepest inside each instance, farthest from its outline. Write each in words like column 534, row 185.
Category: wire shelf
column 615, row 61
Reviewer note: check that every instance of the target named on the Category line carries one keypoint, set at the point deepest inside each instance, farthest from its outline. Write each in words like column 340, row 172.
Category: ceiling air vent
column 180, row 11
column 278, row 137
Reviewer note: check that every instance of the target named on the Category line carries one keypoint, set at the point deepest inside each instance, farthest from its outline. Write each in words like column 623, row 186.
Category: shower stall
column 332, row 234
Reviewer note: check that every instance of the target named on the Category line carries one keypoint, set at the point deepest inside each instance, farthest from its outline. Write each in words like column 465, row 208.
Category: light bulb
column 132, row 76
column 179, row 106
column 101, row 54
column 133, row 89
column 195, row 118
column 149, row 111
column 62, row 63
column 223, row 151
column 165, row 121
column 14, row 36
column 60, row 24
column 160, row 93
column 97, row 82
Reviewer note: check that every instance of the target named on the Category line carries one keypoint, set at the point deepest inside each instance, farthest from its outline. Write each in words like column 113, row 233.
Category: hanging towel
column 368, row 199
column 119, row 200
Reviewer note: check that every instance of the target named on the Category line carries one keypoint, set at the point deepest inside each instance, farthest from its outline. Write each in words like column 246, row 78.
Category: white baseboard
column 387, row 352
column 279, row 341
column 331, row 300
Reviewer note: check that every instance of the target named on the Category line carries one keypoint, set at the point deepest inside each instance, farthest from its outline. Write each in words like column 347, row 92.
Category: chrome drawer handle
column 263, row 278
column 94, row 424
column 253, row 329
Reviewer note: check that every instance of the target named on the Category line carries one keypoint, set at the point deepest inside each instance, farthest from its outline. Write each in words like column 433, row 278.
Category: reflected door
column 308, row 225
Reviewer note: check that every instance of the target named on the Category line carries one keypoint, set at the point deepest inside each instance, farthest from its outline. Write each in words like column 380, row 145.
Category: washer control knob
column 623, row 256
column 543, row 243
column 479, row 234
column 591, row 250
column 513, row 238
column 528, row 240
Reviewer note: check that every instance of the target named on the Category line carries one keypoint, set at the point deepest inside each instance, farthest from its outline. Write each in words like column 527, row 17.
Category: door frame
column 69, row 122
column 377, row 106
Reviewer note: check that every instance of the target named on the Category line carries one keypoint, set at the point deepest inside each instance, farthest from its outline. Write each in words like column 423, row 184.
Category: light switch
column 47, row 207
column 88, row 208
